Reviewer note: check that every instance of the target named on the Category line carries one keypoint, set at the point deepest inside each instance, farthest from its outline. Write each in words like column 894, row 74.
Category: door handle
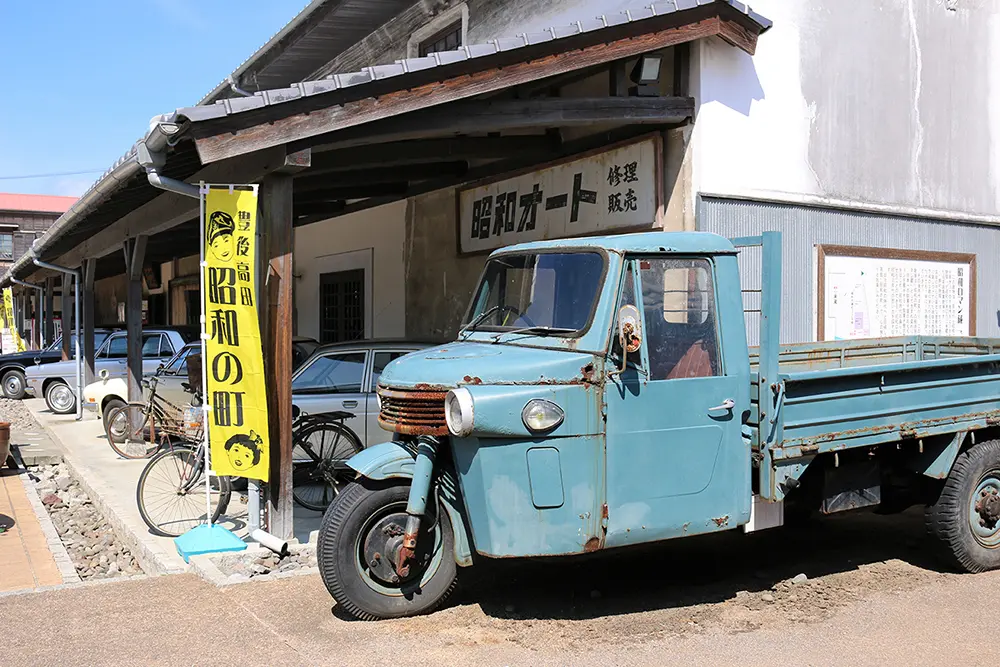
column 727, row 404
column 350, row 404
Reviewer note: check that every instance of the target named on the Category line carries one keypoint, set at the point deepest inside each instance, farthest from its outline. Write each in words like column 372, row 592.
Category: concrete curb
column 59, row 553
column 75, row 584
column 139, row 544
column 206, row 567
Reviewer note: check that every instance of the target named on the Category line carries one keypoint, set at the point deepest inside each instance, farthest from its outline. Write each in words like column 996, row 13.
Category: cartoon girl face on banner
column 220, row 235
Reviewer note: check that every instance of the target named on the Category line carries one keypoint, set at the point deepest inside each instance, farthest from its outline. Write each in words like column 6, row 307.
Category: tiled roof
column 10, row 201
column 227, row 107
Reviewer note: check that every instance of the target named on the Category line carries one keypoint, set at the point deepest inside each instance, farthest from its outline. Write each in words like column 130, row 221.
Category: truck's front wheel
column 965, row 519
column 357, row 549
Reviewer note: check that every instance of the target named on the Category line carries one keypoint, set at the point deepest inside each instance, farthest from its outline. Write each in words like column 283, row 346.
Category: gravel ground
column 249, row 565
column 95, row 550
column 17, row 413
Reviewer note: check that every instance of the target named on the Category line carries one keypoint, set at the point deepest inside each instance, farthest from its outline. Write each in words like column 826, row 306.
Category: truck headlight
column 458, row 412
column 541, row 416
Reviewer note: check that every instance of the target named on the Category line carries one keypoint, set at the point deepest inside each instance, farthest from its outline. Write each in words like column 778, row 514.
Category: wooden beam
column 134, row 249
column 66, row 314
column 88, row 344
column 49, row 327
column 400, row 153
column 508, row 115
column 275, row 262
column 376, row 175
column 227, row 143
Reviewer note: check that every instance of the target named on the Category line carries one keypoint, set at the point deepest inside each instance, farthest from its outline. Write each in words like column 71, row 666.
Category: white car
column 108, row 393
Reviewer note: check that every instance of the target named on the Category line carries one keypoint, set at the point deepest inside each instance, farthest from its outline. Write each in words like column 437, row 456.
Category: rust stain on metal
column 593, row 544
column 588, row 373
column 721, row 521
column 604, row 511
column 472, row 379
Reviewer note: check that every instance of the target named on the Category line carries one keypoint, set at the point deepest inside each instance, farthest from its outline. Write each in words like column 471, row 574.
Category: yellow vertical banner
column 8, row 317
column 234, row 363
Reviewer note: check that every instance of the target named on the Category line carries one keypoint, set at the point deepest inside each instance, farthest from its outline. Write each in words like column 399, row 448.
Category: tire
column 14, row 384
column 316, row 483
column 133, row 442
column 110, row 408
column 165, row 511
column 357, row 518
column 967, row 539
column 60, row 399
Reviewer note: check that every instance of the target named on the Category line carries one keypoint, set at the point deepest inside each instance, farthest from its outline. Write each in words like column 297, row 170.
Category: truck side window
column 678, row 301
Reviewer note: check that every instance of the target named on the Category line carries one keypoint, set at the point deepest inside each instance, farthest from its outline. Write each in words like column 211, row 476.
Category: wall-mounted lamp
column 646, row 76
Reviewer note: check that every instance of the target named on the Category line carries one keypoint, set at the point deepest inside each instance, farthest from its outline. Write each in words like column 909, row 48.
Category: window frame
column 372, row 382
column 4, row 256
column 457, row 26
column 365, row 370
column 712, row 272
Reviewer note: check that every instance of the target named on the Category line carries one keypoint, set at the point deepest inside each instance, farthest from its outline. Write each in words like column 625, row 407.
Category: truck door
column 676, row 461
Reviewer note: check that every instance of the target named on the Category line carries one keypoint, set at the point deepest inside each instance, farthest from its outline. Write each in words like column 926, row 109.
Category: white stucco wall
column 373, row 240
column 889, row 102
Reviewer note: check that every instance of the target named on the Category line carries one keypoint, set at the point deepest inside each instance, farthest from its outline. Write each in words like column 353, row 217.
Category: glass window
column 150, row 346
column 6, row 246
column 678, row 301
column 178, row 365
column 627, row 299
column 545, row 290
column 116, row 348
column 382, row 360
column 448, row 39
column 332, row 374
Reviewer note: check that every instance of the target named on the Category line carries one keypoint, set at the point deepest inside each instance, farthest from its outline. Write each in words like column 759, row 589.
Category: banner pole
column 205, row 406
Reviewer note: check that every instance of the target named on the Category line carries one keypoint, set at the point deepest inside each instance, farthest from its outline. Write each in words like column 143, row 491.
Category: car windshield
column 550, row 292
column 178, row 365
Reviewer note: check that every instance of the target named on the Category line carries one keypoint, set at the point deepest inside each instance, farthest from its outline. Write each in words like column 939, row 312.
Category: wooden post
column 87, row 315
column 36, row 319
column 135, row 249
column 276, row 314
column 66, row 315
column 49, row 328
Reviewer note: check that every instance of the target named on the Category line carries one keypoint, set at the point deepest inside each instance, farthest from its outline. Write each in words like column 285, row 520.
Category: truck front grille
column 412, row 412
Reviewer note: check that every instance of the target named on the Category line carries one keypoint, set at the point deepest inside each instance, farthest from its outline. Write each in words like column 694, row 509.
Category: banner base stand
column 207, row 539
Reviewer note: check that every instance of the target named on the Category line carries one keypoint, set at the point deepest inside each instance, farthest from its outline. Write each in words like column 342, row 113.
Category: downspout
column 38, row 324
column 236, row 89
column 76, row 315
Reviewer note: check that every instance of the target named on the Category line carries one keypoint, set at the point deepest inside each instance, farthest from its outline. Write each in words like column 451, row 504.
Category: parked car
column 343, row 376
column 12, row 366
column 55, row 381
column 302, row 349
column 108, row 393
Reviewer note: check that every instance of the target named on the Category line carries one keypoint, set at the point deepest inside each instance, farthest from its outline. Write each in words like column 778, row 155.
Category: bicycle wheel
column 328, row 445
column 127, row 440
column 171, row 492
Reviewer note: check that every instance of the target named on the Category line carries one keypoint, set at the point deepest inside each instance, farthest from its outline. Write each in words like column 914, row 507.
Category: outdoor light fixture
column 646, row 76
column 541, row 416
column 459, row 412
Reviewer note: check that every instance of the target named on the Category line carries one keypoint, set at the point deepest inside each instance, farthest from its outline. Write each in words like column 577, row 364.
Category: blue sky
column 79, row 81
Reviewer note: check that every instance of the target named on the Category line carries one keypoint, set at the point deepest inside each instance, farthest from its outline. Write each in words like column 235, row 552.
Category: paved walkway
column 111, row 482
column 25, row 559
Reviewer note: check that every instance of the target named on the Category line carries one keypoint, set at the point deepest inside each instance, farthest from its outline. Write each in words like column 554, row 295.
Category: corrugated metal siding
column 804, row 227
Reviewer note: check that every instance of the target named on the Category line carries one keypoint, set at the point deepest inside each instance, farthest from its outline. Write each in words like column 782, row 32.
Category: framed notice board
column 878, row 292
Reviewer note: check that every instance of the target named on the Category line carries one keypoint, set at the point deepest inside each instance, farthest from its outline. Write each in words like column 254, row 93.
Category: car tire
column 14, row 384
column 60, row 399
column 110, row 406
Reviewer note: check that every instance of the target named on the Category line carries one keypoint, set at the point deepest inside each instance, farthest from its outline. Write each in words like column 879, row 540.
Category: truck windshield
column 551, row 293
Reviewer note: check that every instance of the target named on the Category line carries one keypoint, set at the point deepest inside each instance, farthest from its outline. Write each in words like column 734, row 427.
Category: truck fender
column 938, row 456
column 395, row 460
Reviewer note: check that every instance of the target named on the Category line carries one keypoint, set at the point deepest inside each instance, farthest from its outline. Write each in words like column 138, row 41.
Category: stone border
column 58, row 549
column 206, row 567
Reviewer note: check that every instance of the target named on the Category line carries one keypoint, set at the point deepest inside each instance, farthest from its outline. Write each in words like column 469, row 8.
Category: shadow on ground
column 692, row 571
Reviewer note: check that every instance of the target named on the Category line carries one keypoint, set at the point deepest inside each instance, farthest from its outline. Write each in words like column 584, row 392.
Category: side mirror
column 629, row 332
column 104, row 374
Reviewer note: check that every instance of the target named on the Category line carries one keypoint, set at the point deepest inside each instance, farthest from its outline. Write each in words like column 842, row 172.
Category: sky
column 79, row 81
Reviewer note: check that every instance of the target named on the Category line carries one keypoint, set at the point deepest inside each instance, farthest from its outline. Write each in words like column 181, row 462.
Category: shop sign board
column 233, row 364
column 12, row 340
column 878, row 292
column 614, row 189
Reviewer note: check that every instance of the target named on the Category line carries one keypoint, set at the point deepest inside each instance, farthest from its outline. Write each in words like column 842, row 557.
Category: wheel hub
column 988, row 507
column 382, row 551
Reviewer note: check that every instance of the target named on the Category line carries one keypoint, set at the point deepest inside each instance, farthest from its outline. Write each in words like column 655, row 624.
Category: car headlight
column 458, row 412
column 541, row 416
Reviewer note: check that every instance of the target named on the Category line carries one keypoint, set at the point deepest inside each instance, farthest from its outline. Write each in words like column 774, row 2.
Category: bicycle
column 322, row 443
column 155, row 412
column 170, row 492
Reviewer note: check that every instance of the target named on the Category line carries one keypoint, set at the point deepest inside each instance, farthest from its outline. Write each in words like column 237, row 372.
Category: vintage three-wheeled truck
column 602, row 395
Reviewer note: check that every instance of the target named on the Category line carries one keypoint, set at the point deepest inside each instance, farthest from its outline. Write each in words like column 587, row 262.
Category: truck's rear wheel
column 358, row 539
column 965, row 519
